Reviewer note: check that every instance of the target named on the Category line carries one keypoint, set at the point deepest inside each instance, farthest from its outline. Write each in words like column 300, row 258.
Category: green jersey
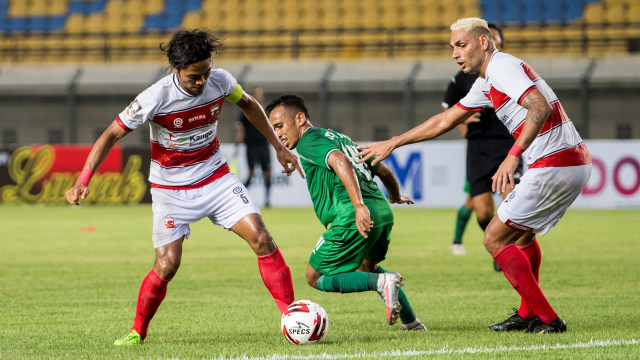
column 330, row 198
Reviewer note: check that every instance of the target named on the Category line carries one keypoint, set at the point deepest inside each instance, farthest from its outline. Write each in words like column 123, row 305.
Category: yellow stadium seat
column 56, row 7
column 75, row 23
column 95, row 23
column 594, row 13
column 18, row 8
column 616, row 13
column 152, row 6
column 198, row 20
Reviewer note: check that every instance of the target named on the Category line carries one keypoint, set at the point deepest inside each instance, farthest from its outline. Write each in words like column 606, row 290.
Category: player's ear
column 300, row 118
column 484, row 41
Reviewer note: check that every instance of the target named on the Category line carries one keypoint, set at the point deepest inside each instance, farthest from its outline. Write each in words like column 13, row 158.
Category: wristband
column 516, row 151
column 84, row 177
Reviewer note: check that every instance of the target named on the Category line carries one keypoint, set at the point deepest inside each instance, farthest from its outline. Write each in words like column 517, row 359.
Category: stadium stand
column 127, row 30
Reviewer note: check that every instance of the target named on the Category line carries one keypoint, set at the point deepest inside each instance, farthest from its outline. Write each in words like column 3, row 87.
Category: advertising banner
column 40, row 174
column 431, row 173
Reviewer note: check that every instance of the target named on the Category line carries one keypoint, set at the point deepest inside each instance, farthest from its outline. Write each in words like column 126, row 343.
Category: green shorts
column 467, row 188
column 343, row 249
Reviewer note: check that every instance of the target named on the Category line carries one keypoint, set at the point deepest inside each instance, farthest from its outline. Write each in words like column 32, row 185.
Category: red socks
column 151, row 294
column 277, row 278
column 517, row 269
column 274, row 271
column 532, row 252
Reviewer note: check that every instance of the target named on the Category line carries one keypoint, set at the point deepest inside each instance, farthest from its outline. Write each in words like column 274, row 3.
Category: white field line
column 441, row 351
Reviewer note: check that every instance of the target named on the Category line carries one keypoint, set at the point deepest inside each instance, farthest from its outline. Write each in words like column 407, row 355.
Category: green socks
column 348, row 282
column 357, row 281
column 461, row 223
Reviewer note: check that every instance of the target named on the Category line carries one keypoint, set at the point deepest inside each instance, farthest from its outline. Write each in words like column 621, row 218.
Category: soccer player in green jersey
column 350, row 205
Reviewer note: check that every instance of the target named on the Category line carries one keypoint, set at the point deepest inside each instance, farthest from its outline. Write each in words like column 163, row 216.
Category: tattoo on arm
column 539, row 109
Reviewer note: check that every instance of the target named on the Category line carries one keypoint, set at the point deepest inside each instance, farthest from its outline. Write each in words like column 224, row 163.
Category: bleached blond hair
column 470, row 24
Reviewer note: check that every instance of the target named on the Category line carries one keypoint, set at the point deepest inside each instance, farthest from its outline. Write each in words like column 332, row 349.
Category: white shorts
column 225, row 201
column 542, row 197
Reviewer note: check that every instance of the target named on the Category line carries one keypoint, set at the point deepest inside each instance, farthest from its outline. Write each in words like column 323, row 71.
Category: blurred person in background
column 559, row 164
column 256, row 147
column 189, row 176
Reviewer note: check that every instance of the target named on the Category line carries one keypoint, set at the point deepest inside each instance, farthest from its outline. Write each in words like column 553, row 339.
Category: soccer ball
column 304, row 322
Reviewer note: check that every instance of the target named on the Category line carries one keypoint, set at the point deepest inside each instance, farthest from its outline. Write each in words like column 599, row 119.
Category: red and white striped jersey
column 508, row 80
column 184, row 138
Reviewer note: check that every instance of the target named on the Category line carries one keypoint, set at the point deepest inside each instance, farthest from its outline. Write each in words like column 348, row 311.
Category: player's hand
column 288, row 161
column 401, row 200
column 76, row 193
column 504, row 176
column 363, row 220
column 381, row 150
column 473, row 118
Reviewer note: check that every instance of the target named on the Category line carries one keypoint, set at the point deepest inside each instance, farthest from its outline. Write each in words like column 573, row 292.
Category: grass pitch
column 69, row 279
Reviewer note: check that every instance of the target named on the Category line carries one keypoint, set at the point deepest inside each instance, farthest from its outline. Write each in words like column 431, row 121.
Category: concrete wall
column 366, row 100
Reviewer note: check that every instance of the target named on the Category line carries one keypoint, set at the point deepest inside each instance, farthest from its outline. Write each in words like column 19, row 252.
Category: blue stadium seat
column 554, row 10
column 57, row 22
column 87, row 7
column 495, row 10
column 531, row 11
column 38, row 23
column 575, row 9
column 172, row 15
column 525, row 10
column 16, row 24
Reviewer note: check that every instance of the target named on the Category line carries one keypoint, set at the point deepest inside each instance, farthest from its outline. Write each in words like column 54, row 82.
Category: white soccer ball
column 304, row 322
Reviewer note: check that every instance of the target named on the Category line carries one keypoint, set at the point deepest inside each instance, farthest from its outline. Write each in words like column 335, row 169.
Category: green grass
column 68, row 292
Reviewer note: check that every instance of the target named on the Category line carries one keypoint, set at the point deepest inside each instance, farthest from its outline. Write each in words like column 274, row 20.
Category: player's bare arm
column 343, row 168
column 434, row 127
column 98, row 153
column 254, row 112
column 539, row 111
column 391, row 184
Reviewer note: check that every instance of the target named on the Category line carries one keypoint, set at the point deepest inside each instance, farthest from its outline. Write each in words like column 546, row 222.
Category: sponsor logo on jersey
column 133, row 108
column 177, row 122
column 197, row 118
column 215, row 112
column 169, row 223
column 205, row 136
column 517, row 226
column 239, row 191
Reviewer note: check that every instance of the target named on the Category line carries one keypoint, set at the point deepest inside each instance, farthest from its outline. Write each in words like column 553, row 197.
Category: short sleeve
column 475, row 100
column 316, row 148
column 227, row 83
column 508, row 76
column 138, row 112
column 454, row 93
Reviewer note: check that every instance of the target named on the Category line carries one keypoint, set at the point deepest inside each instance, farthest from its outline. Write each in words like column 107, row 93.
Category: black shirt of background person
column 489, row 125
column 252, row 136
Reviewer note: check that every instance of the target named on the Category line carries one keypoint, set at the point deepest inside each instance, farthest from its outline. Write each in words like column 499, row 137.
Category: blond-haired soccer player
column 558, row 163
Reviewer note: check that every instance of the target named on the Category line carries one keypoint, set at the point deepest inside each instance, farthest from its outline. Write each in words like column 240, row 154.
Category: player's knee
column 484, row 216
column 490, row 239
column 312, row 277
column 262, row 243
column 167, row 267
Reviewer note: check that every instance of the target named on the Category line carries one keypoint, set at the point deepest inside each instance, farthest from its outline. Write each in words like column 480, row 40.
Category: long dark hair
column 187, row 47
